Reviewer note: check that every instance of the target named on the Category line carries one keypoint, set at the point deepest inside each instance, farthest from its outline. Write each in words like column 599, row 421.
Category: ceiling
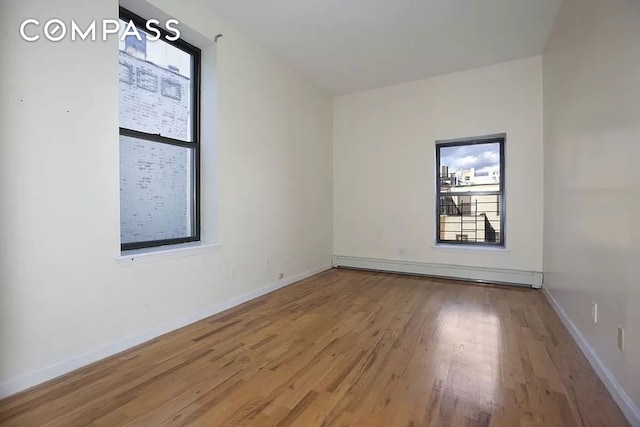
column 347, row 46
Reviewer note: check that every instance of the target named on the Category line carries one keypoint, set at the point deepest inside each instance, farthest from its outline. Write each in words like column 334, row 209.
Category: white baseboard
column 627, row 406
column 476, row 274
column 65, row 366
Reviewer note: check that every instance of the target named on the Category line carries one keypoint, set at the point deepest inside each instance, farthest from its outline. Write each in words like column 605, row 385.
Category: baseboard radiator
column 461, row 272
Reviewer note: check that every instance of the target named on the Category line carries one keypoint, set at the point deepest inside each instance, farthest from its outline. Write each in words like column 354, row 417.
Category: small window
column 126, row 73
column 172, row 89
column 159, row 139
column 470, row 191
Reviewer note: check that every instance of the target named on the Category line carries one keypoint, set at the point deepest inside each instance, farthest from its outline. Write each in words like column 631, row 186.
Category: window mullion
column 154, row 137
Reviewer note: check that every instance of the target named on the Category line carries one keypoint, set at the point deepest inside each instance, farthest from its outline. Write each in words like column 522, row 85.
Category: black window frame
column 193, row 145
column 501, row 140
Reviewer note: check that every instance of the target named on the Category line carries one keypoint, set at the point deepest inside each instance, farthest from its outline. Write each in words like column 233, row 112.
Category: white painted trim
column 62, row 367
column 476, row 274
column 626, row 404
column 166, row 252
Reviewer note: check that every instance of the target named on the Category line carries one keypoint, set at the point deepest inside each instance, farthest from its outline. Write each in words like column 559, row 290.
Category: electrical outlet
column 594, row 312
column 620, row 338
column 267, row 264
column 232, row 273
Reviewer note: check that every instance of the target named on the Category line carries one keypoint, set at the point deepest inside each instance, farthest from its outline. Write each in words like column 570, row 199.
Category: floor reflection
column 469, row 337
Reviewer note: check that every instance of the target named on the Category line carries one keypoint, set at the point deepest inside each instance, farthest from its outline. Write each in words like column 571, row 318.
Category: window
column 159, row 139
column 470, row 191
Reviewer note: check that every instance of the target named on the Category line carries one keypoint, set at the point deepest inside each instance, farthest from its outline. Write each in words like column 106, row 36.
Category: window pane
column 156, row 197
column 470, row 218
column 474, row 167
column 155, row 87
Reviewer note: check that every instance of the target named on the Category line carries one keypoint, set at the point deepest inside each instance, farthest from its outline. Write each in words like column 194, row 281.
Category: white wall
column 384, row 163
column 62, row 292
column 592, row 191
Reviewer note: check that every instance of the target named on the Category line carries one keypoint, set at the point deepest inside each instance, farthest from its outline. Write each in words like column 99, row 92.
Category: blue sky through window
column 485, row 158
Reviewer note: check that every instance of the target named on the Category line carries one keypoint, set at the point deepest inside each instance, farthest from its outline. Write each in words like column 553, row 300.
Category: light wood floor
column 343, row 348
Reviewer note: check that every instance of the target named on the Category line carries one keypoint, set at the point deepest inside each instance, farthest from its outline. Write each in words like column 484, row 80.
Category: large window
column 159, row 139
column 470, row 191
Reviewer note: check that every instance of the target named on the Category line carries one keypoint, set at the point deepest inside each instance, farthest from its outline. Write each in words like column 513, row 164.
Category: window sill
column 166, row 252
column 471, row 248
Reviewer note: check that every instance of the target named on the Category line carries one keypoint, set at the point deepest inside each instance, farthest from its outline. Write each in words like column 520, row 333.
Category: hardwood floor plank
column 343, row 348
